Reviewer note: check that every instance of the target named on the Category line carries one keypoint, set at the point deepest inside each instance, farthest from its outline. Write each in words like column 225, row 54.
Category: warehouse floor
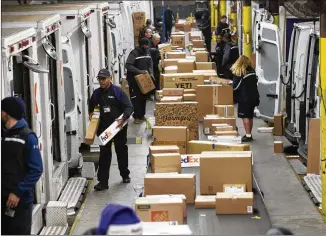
column 285, row 202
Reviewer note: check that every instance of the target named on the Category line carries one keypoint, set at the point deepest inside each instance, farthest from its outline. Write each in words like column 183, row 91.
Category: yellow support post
column 222, row 4
column 322, row 69
column 247, row 30
column 212, row 10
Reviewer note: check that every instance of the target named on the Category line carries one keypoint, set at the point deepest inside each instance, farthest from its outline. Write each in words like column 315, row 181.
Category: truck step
column 297, row 165
column 88, row 170
column 313, row 183
column 37, row 219
column 72, row 192
column 54, row 230
column 56, row 213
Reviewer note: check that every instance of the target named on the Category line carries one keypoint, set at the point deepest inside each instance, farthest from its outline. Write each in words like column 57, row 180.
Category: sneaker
column 143, row 118
column 246, row 139
column 100, row 187
column 137, row 121
column 126, row 180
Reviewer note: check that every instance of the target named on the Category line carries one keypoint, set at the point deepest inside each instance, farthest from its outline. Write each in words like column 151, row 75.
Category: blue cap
column 104, row 73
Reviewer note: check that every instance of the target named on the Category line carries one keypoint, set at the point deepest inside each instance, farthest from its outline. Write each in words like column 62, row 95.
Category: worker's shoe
column 246, row 139
column 137, row 121
column 100, row 187
column 126, row 180
column 143, row 118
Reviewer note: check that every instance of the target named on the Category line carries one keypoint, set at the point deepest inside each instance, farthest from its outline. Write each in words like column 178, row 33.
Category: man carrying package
column 113, row 103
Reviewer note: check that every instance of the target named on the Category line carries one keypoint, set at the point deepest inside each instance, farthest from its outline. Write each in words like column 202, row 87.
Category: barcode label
column 249, row 209
column 207, row 130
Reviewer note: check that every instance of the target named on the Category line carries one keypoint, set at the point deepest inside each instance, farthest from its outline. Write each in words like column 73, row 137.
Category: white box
column 110, row 132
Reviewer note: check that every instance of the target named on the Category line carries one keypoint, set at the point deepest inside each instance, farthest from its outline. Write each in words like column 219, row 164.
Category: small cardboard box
column 226, row 133
column 207, row 73
column 171, row 99
column 205, row 66
column 187, row 27
column 210, row 120
column 182, row 80
column 179, row 26
column 217, row 80
column 173, row 91
column 278, row 146
column 206, row 100
column 186, row 66
column 189, row 97
column 166, row 162
column 171, row 62
column 205, row 202
column 192, row 58
column 139, row 18
column 165, row 47
column 174, row 55
column 159, row 209
column 234, row 188
column 201, row 56
column 170, row 69
column 278, row 125
column 178, row 40
column 92, row 127
column 224, row 110
column 234, row 203
column 169, row 183
column 145, row 83
column 222, row 127
column 190, row 91
column 171, row 135
column 223, row 167
column 197, row 147
column 154, row 149
column 198, row 43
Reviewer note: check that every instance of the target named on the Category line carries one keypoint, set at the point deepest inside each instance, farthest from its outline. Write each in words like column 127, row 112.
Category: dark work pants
column 168, row 31
column 157, row 79
column 21, row 223
column 121, row 148
column 138, row 100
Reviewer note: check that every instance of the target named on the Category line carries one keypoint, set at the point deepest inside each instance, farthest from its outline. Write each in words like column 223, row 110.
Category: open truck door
column 268, row 69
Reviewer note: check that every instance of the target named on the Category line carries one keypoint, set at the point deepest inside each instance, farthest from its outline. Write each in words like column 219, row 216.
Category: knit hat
column 13, row 106
column 143, row 41
column 119, row 220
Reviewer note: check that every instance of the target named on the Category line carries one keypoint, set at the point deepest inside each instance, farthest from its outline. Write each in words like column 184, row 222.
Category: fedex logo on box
column 190, row 160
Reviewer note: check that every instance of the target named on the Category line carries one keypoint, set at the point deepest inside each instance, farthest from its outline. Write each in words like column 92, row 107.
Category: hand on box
column 91, row 115
column 120, row 123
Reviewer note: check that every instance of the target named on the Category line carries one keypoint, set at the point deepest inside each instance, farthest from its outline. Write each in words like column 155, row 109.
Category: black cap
column 104, row 73
column 143, row 41
column 13, row 106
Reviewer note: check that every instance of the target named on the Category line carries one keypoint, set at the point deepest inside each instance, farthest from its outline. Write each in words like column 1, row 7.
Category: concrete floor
column 287, row 203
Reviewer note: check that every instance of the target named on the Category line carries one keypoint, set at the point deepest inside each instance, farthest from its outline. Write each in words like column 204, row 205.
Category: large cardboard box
column 180, row 196
column 201, row 56
column 278, row 125
column 173, row 91
column 234, row 203
column 166, row 162
column 224, row 95
column 206, row 100
column 182, row 80
column 187, row 27
column 168, row 183
column 154, row 149
column 189, row 97
column 190, row 91
column 171, row 69
column 210, row 120
column 198, row 43
column 171, row 99
column 174, row 55
column 205, row 66
column 224, row 110
column 207, row 73
column 145, row 83
column 137, row 29
column 171, row 135
column 139, row 18
column 159, row 209
column 224, row 167
column 171, row 62
column 178, row 114
column 314, row 137
column 197, row 147
column 92, row 127
column 186, row 66
column 178, row 40
column 207, row 201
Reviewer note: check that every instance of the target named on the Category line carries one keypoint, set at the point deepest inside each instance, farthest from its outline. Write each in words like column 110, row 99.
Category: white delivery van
column 52, row 96
column 20, row 77
column 129, row 30
column 77, row 68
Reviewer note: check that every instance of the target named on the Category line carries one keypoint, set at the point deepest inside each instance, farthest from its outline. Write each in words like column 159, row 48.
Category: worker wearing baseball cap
column 21, row 168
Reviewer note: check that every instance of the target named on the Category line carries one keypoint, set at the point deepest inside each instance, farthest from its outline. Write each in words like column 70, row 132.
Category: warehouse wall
column 184, row 8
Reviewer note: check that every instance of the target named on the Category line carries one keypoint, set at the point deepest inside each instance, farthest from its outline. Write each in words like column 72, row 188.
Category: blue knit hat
column 118, row 219
column 13, row 106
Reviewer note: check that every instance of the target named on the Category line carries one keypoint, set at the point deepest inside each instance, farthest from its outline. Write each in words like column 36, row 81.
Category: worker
column 113, row 103
column 222, row 27
column 230, row 55
column 146, row 33
column 245, row 93
column 139, row 62
column 169, row 22
column 21, row 168
column 218, row 55
column 149, row 24
column 155, row 54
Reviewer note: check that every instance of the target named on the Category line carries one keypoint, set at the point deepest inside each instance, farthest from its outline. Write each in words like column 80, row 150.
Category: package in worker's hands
column 110, row 132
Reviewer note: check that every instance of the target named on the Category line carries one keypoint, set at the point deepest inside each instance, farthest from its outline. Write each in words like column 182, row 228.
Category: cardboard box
column 137, row 29
column 205, row 98
column 224, row 110
column 224, row 167
column 189, row 91
column 205, row 202
column 314, row 137
column 92, row 127
column 217, row 80
column 201, row 56
column 111, row 131
column 125, row 86
column 224, row 127
column 166, row 162
column 187, row 27
column 167, row 183
column 179, row 26
column 226, row 133
column 194, row 37
column 278, row 125
column 154, row 149
column 178, row 114
column 197, row 147
column 191, row 58
column 139, row 18
column 178, row 33
column 178, row 40
column 171, row 135
column 182, row 80
column 180, row 196
column 186, row 66
column 234, row 188
column 278, row 146
column 189, row 97
column 224, row 95
column 234, row 203
column 198, row 43
column 206, row 66
column 190, row 160
column 172, row 99
column 173, row 91
column 171, row 69
column 207, row 73
column 174, row 55
column 165, row 47
column 171, row 62
column 145, row 83
column 210, row 120
column 159, row 209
